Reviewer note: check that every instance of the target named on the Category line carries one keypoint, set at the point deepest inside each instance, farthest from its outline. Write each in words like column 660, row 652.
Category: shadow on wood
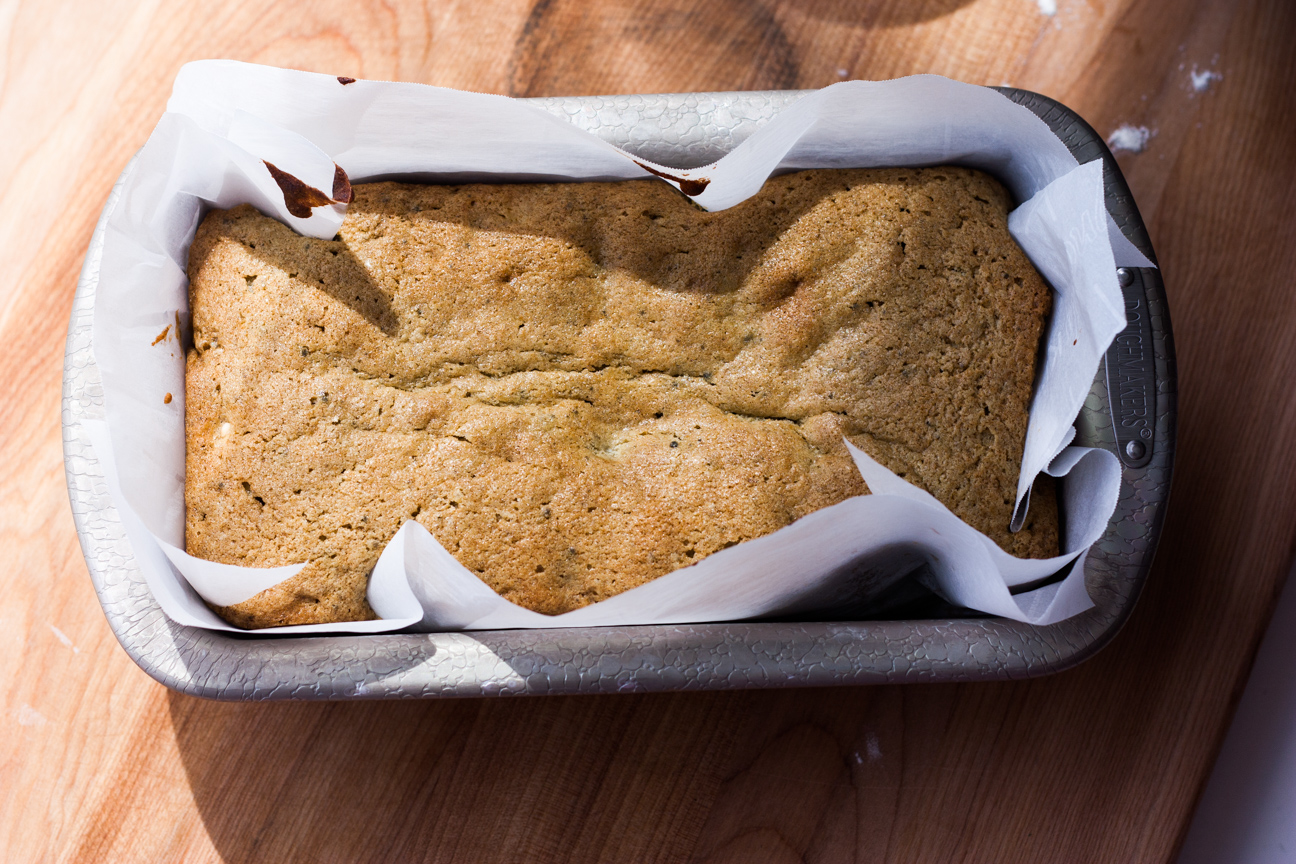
column 567, row 49
column 501, row 780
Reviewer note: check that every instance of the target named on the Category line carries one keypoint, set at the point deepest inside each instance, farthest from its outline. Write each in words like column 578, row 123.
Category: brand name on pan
column 1134, row 373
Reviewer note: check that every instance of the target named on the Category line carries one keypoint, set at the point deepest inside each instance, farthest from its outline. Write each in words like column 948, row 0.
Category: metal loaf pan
column 936, row 644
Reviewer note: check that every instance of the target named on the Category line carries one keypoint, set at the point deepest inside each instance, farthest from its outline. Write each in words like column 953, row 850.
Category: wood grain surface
column 1102, row 763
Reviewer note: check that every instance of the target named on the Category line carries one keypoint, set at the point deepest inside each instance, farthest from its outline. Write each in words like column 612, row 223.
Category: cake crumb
column 1202, row 81
column 29, row 716
column 63, row 637
column 1127, row 138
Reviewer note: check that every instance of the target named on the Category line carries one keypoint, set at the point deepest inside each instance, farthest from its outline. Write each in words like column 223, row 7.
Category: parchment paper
column 225, row 120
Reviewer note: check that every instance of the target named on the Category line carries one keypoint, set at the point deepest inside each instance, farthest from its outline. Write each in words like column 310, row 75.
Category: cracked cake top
column 580, row 387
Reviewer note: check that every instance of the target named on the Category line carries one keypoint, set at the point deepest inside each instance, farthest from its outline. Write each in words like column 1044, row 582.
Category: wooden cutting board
column 1102, row 763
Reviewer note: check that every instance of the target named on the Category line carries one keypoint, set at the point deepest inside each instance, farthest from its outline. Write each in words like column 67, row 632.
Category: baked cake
column 580, row 387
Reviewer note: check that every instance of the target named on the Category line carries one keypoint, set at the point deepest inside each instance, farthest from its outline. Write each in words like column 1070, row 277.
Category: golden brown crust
column 580, row 387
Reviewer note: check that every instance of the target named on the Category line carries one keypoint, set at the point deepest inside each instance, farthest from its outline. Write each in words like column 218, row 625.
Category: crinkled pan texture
column 580, row 387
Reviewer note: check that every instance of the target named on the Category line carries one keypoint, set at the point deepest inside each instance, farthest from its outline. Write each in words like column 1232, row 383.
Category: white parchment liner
column 225, row 119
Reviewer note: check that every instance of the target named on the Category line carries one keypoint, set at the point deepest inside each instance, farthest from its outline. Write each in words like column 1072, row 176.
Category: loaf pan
column 924, row 640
